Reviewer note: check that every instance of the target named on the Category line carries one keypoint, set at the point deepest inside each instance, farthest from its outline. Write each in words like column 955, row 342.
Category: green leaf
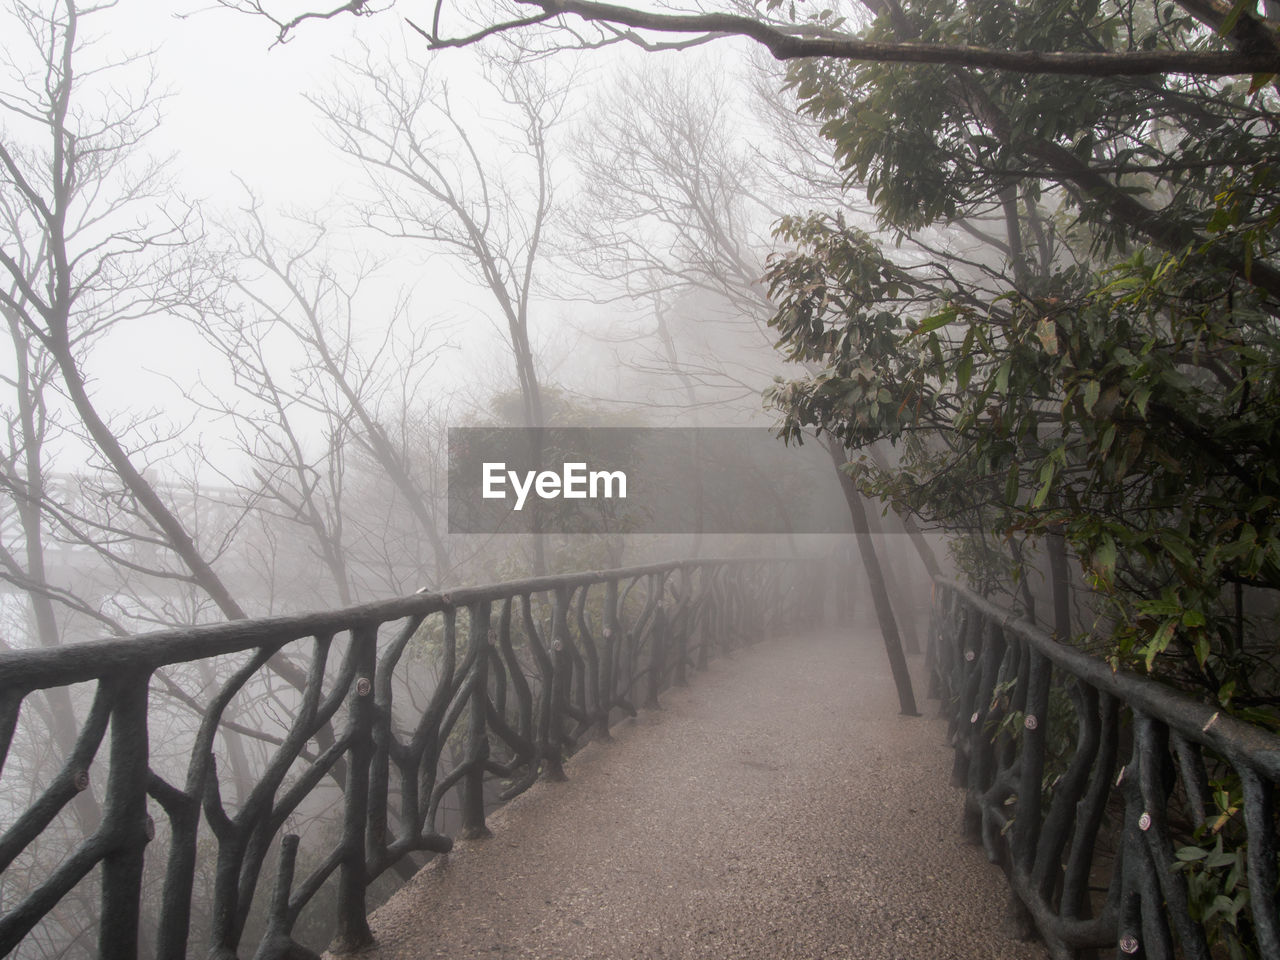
column 1160, row 642
column 1108, row 437
column 1178, row 549
column 1091, row 391
column 1042, row 494
column 1047, row 334
column 1002, row 377
column 929, row 324
column 1011, row 485
column 1141, row 397
column 1226, row 692
column 1220, row 858
column 1202, row 650
column 1104, row 557
column 1220, row 904
column 1259, row 81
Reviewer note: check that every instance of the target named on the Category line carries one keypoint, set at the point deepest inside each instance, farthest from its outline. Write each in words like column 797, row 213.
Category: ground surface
column 776, row 808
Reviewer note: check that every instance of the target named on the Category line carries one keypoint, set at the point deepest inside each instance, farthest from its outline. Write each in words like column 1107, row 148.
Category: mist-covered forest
column 1009, row 269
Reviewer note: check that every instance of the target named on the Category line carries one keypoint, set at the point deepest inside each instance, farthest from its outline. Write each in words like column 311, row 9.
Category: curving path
column 777, row 808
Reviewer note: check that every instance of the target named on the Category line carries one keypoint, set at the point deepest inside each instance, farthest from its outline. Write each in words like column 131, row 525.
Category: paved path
column 777, row 808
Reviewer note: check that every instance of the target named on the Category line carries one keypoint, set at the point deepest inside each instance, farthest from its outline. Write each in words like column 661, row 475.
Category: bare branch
column 784, row 43
column 434, row 41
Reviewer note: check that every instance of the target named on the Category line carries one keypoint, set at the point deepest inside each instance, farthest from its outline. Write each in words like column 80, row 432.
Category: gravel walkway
column 776, row 808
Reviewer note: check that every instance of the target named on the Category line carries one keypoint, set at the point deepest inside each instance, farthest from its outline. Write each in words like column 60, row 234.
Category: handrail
column 1143, row 752
column 1242, row 742
column 40, row 668
column 543, row 665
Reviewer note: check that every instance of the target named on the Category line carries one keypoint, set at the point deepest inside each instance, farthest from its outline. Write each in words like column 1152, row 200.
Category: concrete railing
column 1127, row 815
column 225, row 744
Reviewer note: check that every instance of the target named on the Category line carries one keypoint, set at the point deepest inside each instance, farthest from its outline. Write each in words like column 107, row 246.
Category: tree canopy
column 1099, row 363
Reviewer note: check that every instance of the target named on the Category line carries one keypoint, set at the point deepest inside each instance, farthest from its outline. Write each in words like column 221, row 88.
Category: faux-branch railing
column 554, row 664
column 1135, row 782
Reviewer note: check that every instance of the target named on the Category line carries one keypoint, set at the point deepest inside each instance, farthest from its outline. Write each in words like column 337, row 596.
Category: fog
column 296, row 279
column 255, row 273
column 286, row 271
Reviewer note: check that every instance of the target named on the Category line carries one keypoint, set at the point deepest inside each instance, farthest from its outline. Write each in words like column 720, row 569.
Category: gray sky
column 236, row 115
column 235, row 111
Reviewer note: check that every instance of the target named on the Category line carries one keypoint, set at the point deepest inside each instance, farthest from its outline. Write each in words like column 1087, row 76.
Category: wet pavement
column 778, row 807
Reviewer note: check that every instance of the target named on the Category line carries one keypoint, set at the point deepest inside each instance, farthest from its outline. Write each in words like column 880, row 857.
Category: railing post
column 550, row 731
column 982, row 752
column 596, row 714
column 608, row 683
column 1026, row 828
column 562, row 664
column 380, row 767
column 680, row 677
column 716, row 623
column 515, row 673
column 932, row 641
column 728, row 632
column 1260, row 821
column 706, row 614
column 821, row 587
column 657, row 657
column 126, row 829
column 277, row 942
column 1154, row 774
column 737, row 608
column 353, row 933
column 473, row 825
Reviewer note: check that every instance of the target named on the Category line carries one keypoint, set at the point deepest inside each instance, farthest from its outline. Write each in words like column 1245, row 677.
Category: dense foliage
column 1096, row 355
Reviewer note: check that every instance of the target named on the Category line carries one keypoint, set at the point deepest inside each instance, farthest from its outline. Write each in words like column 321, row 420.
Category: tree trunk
column 1059, row 575
column 923, row 549
column 875, row 578
column 893, row 581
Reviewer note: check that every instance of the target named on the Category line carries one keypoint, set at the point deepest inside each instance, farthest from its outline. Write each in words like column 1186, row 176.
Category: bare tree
column 432, row 184
column 672, row 211
column 91, row 240
column 317, row 400
column 24, row 561
column 78, row 256
column 93, row 246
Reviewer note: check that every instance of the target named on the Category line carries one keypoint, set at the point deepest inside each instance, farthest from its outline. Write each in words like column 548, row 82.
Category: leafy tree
column 1100, row 364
